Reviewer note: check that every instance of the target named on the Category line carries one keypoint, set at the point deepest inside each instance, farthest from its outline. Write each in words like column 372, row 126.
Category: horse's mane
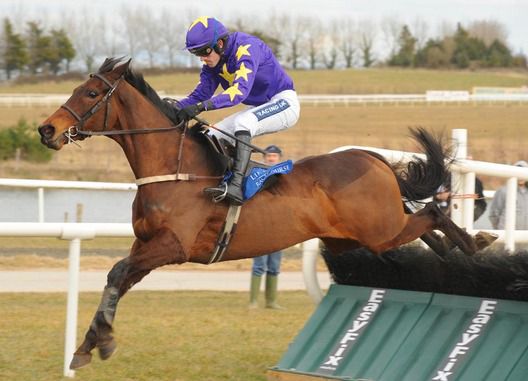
column 136, row 80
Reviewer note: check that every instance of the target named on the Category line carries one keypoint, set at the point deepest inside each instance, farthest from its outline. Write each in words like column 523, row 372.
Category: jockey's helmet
column 203, row 35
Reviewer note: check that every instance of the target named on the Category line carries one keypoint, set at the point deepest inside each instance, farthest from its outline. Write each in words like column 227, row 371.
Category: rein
column 105, row 101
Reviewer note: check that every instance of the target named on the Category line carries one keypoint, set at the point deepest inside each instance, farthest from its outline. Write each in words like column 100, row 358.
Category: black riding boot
column 234, row 188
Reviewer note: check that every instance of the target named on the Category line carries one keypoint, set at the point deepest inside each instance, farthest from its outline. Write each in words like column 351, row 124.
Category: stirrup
column 220, row 193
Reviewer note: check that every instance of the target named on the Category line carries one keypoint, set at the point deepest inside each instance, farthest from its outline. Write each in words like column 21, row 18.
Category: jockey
column 249, row 73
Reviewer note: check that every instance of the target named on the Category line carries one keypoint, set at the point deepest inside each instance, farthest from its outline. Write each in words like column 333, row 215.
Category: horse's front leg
column 163, row 249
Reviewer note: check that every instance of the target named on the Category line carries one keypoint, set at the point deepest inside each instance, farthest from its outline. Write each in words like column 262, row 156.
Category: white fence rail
column 50, row 100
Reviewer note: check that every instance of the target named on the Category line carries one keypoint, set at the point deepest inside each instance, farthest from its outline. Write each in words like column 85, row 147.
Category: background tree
column 62, row 50
column 390, row 30
column 87, row 33
column 488, row 31
column 315, row 41
column 346, row 40
column 293, row 34
column 498, row 55
column 172, row 34
column 151, row 42
column 132, row 35
column 367, row 35
column 407, row 46
column 14, row 50
column 39, row 47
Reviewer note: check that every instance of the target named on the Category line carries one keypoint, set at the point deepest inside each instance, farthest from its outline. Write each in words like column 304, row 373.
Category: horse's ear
column 120, row 69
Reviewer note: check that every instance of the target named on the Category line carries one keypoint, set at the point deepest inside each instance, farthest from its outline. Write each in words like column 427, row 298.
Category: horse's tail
column 420, row 178
column 490, row 275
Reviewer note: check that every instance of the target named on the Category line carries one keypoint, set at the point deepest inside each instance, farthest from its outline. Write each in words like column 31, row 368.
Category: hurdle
column 361, row 333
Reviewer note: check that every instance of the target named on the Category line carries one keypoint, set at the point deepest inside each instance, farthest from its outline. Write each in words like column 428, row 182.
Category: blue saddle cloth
column 258, row 176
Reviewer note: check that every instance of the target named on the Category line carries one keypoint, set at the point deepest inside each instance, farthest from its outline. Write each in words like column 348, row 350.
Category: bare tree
column 346, row 40
column 420, row 31
column 86, row 36
column 489, row 31
column 446, row 29
column 315, row 42
column 131, row 19
column 367, row 35
column 292, row 32
column 152, row 42
column 110, row 43
column 332, row 40
column 390, row 29
column 172, row 34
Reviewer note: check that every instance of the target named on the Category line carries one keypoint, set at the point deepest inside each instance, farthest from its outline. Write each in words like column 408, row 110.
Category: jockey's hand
column 189, row 112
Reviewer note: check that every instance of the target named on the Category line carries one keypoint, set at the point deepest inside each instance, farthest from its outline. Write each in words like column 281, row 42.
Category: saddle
column 224, row 151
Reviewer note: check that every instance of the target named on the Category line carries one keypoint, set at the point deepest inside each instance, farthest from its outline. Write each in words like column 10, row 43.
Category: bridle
column 77, row 129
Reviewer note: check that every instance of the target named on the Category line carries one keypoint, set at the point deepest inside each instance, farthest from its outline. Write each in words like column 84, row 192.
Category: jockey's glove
column 189, row 112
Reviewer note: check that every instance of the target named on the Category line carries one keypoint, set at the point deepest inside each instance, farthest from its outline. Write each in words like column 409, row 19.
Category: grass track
column 165, row 336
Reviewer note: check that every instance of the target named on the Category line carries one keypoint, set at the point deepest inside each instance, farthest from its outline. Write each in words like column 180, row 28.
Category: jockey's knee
column 246, row 122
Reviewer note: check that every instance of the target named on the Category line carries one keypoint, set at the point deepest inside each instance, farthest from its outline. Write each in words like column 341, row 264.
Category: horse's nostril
column 46, row 131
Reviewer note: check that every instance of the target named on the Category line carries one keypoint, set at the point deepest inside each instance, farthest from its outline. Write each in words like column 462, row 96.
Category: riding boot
column 271, row 292
column 254, row 291
column 234, row 189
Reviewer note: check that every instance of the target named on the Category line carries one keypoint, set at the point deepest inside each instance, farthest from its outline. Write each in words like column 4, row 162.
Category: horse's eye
column 92, row 94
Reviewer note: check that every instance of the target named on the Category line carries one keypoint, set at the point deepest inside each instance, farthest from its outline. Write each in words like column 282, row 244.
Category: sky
column 511, row 13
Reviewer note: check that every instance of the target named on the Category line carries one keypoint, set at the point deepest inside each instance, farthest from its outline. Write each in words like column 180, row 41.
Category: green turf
column 173, row 336
column 351, row 81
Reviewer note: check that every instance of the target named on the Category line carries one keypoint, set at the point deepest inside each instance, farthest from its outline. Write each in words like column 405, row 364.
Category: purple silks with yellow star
column 249, row 73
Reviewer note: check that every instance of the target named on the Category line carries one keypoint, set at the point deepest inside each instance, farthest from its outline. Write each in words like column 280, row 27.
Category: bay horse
column 348, row 199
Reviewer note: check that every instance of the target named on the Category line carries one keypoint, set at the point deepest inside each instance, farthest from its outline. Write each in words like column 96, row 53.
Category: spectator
column 498, row 205
column 270, row 263
column 443, row 198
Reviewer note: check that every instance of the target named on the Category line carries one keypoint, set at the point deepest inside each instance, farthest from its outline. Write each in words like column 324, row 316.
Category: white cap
column 521, row 163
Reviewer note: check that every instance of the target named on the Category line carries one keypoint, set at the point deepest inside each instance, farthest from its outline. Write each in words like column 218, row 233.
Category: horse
column 348, row 199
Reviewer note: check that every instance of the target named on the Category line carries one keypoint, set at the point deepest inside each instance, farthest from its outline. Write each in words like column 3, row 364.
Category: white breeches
column 280, row 113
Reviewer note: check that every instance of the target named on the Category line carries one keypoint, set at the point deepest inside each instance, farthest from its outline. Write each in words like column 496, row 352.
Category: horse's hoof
column 484, row 239
column 107, row 349
column 80, row 360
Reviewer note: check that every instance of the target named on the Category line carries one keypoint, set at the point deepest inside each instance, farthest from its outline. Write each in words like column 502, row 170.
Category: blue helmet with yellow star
column 203, row 35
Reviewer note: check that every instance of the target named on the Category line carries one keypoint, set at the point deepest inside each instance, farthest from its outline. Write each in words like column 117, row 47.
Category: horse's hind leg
column 162, row 249
column 457, row 235
column 431, row 239
column 424, row 221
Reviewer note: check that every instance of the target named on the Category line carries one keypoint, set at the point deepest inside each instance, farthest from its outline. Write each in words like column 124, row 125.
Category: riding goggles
column 203, row 51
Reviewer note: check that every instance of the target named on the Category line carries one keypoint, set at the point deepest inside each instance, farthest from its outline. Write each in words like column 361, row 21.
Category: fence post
column 41, row 204
column 460, row 140
column 73, row 301
column 509, row 223
column 309, row 264
column 468, row 202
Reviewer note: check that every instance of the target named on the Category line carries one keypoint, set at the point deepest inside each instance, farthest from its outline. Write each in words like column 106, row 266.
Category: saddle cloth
column 258, row 177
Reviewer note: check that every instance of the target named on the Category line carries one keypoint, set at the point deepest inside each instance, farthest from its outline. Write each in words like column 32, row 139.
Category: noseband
column 77, row 129
column 105, row 100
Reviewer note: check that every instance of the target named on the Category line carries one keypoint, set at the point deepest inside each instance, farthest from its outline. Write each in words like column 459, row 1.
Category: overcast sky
column 511, row 13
